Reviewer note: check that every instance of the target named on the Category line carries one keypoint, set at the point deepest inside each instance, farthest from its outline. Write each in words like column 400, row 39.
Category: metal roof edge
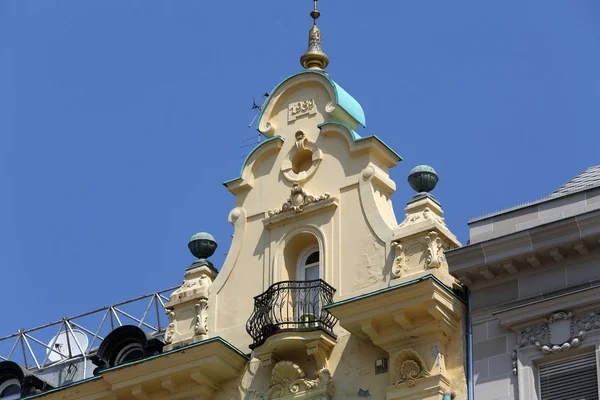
column 390, row 288
column 357, row 138
column 248, row 157
column 530, row 204
column 210, row 340
column 343, row 98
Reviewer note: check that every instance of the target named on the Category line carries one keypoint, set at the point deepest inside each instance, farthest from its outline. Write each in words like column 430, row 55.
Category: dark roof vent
column 123, row 345
column 16, row 382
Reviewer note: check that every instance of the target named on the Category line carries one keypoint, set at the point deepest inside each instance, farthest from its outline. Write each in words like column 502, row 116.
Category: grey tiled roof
column 586, row 180
column 589, row 177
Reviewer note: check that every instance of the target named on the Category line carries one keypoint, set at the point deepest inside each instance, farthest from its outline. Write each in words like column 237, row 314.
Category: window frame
column 530, row 357
column 301, row 266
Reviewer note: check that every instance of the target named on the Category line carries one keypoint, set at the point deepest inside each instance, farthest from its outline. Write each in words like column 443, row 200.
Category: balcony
column 291, row 306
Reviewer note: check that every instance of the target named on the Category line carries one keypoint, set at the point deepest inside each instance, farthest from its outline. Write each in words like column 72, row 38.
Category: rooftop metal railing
column 65, row 339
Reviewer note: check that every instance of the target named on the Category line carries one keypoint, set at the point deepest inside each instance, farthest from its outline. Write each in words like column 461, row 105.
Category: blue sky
column 119, row 120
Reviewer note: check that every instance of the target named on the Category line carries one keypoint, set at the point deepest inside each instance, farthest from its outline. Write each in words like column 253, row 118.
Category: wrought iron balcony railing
column 291, row 306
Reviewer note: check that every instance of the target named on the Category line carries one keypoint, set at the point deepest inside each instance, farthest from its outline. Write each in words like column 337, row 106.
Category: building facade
column 534, row 276
column 324, row 294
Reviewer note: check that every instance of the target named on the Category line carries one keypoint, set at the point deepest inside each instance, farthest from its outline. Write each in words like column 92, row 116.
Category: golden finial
column 314, row 58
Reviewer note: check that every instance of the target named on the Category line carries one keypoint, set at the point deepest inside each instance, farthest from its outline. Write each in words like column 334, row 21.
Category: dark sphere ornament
column 202, row 245
column 423, row 179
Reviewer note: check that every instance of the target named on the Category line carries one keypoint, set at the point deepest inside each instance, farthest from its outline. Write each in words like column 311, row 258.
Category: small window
column 571, row 379
column 308, row 264
column 313, row 258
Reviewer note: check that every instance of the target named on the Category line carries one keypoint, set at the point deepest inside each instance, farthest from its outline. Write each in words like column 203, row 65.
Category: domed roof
column 342, row 98
column 423, row 168
column 202, row 235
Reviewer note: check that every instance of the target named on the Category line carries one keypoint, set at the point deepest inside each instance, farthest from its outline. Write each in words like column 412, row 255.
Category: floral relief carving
column 288, row 379
column 588, row 321
column 200, row 325
column 426, row 214
column 561, row 332
column 298, row 200
column 435, row 250
column 203, row 281
column 409, row 367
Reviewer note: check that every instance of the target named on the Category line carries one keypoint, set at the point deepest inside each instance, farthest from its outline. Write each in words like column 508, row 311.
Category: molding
column 534, row 313
column 549, row 239
column 237, row 217
column 409, row 366
column 382, row 227
column 298, row 200
column 246, row 179
column 213, row 359
column 317, row 344
column 527, row 359
column 561, row 332
column 425, row 300
column 336, row 94
column 283, row 216
column 288, row 380
column 430, row 387
column 357, row 144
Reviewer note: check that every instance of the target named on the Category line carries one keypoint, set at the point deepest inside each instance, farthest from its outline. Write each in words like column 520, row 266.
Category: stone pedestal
column 187, row 308
column 419, row 243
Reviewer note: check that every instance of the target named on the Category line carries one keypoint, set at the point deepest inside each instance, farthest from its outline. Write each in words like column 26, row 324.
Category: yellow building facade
column 324, row 293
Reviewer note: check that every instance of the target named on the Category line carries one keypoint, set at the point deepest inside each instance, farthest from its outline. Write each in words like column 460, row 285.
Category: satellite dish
column 62, row 342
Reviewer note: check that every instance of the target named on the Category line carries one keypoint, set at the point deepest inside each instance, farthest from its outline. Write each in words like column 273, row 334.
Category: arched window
column 308, row 264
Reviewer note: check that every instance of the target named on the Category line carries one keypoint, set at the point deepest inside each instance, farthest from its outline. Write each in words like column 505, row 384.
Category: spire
column 314, row 58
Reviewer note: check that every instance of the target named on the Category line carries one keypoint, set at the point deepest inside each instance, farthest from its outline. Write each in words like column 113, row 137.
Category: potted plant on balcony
column 308, row 320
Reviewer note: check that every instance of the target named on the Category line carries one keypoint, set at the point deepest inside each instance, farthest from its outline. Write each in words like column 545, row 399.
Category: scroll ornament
column 409, row 367
column 298, row 200
column 426, row 214
column 435, row 250
column 288, row 379
column 170, row 332
column 561, row 332
column 399, row 261
column 201, row 326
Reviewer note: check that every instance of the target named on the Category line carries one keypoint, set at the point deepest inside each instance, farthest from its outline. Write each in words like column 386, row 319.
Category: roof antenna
column 255, row 139
column 256, row 107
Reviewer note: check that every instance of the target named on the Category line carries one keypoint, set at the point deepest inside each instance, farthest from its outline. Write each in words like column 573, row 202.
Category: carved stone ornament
column 409, row 367
column 171, row 328
column 435, row 251
column 200, row 326
column 303, row 160
column 299, row 109
column 413, row 218
column 201, row 281
column 298, row 200
column 561, row 332
column 399, row 265
column 288, row 379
